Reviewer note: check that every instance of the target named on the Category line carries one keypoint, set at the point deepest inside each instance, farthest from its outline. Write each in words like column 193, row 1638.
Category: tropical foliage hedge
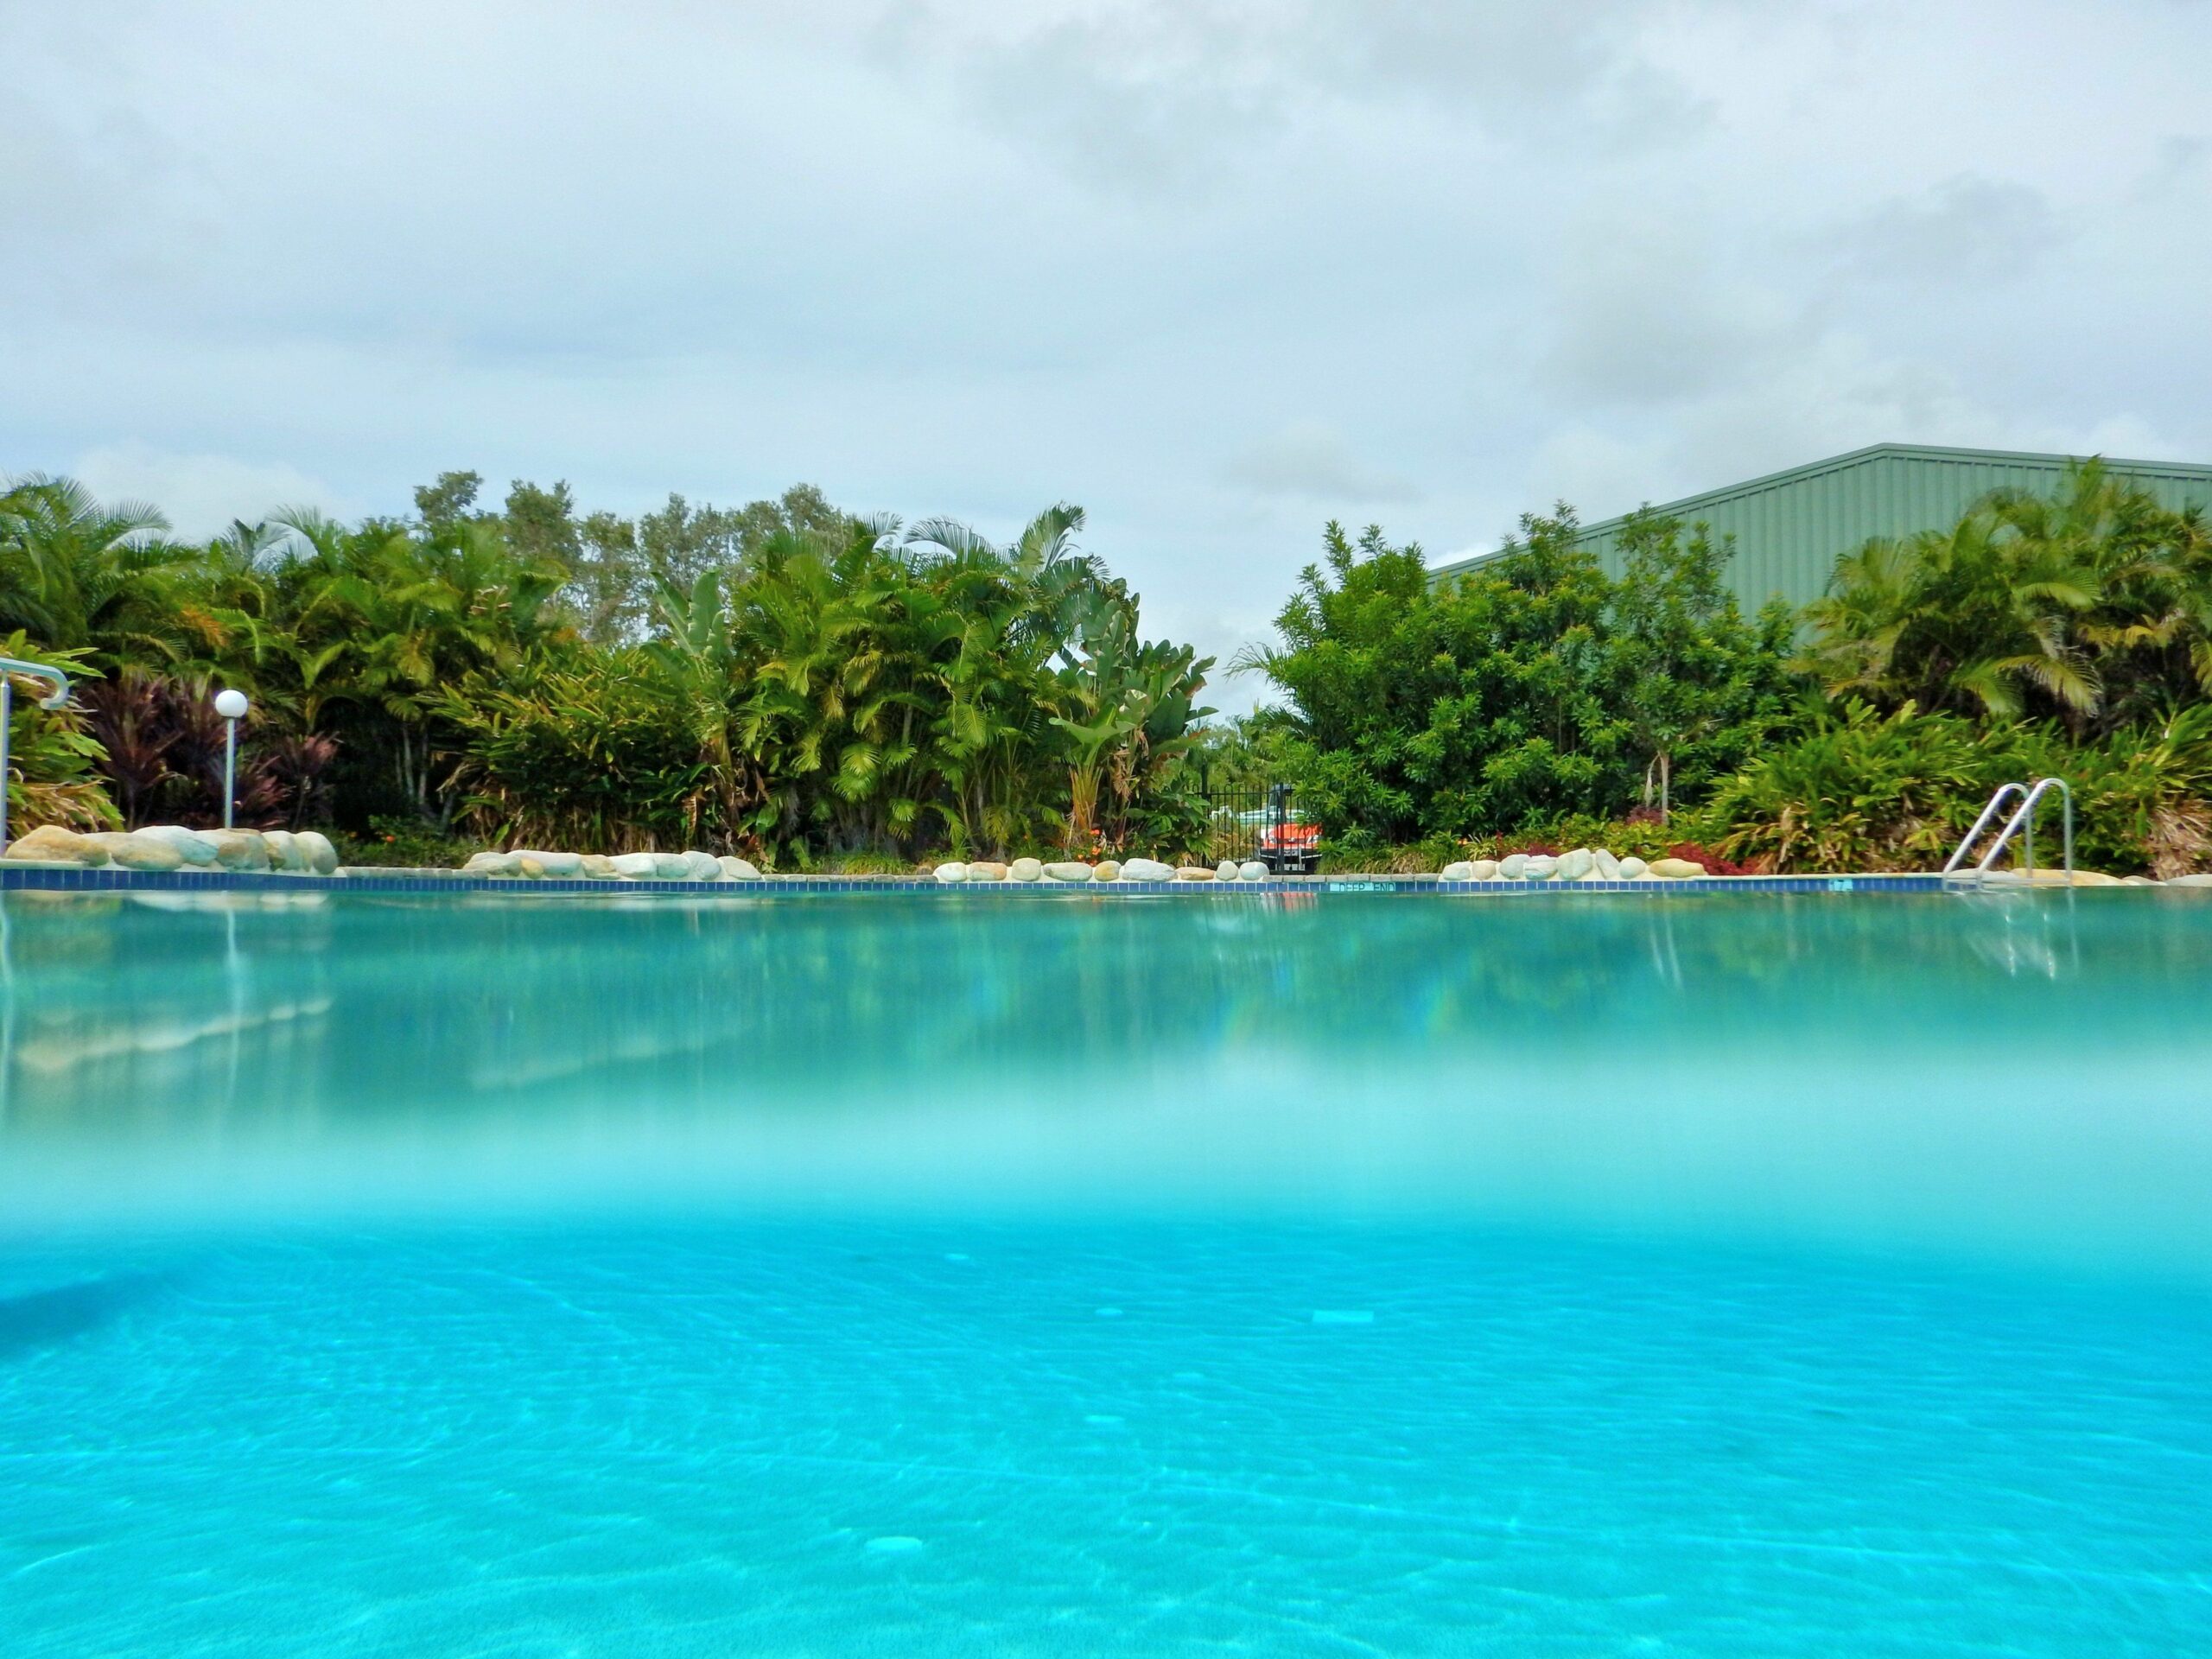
column 812, row 688
column 1537, row 700
column 784, row 680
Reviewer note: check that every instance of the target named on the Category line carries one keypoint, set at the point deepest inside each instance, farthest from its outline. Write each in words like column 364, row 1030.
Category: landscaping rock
column 596, row 866
column 699, row 867
column 2189, row 881
column 492, row 864
column 1573, row 866
column 1675, row 869
column 145, row 853
column 1068, row 869
column 1225, row 871
column 986, row 869
column 1462, row 871
column 131, row 853
column 1025, row 869
column 1513, row 866
column 284, row 852
column 1541, row 867
column 635, row 866
column 951, row 873
column 563, row 865
column 1108, row 870
column 51, row 844
column 321, row 857
column 1146, row 869
column 237, row 849
column 675, row 867
column 1251, row 870
column 737, row 869
column 1483, row 869
column 1609, row 868
column 1634, row 868
column 191, row 848
column 1194, row 872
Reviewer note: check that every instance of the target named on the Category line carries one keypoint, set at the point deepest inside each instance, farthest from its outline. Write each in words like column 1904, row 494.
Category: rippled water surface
column 963, row 1275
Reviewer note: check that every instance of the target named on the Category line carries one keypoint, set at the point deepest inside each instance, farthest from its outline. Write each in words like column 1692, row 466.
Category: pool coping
column 31, row 878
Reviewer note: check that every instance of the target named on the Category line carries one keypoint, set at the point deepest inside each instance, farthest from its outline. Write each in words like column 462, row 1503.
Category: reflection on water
column 2021, row 1071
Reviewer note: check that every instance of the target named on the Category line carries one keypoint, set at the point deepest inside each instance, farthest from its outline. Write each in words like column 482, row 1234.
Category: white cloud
column 202, row 494
column 954, row 256
column 1310, row 460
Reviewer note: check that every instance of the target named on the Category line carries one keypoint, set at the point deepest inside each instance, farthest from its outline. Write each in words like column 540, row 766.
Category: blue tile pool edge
column 33, row 879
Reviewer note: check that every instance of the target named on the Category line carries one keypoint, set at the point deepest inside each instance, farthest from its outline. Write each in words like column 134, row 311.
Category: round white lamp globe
column 231, row 705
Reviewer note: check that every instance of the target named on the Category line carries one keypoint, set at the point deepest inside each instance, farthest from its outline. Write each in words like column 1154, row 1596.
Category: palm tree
column 81, row 577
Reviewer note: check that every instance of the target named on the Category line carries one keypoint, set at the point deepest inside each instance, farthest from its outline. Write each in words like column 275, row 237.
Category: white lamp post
column 231, row 706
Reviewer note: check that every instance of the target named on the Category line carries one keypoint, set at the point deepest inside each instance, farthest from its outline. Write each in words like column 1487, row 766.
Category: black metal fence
column 1237, row 819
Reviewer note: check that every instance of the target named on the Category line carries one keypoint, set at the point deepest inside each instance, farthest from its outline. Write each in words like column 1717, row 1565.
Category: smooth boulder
column 145, row 853
column 2189, row 881
column 1194, row 872
column 635, row 866
column 191, row 848
column 738, row 870
column 1513, row 866
column 491, row 864
column 699, row 866
column 951, row 873
column 284, row 852
column 1067, row 869
column 1251, row 870
column 237, row 849
column 1482, row 869
column 986, row 869
column 1609, row 868
column 316, row 848
column 596, row 866
column 51, row 844
column 1573, row 866
column 1108, row 870
column 1541, row 867
column 1464, row 870
column 1146, row 869
column 1675, row 869
column 1634, row 868
column 1025, row 869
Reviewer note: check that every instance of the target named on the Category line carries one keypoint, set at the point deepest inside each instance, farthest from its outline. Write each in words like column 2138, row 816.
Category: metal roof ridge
column 1682, row 506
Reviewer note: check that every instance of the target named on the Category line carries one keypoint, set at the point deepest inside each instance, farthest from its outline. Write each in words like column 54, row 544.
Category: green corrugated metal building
column 1789, row 527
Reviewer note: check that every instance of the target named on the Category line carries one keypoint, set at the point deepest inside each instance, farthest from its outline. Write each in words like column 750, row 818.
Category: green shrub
column 404, row 844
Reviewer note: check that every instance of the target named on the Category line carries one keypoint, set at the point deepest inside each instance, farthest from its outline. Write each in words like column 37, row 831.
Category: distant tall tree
column 609, row 592
column 447, row 501
column 802, row 511
column 542, row 524
column 682, row 543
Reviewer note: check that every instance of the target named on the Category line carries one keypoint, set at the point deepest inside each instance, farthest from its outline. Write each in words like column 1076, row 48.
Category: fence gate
column 1239, row 821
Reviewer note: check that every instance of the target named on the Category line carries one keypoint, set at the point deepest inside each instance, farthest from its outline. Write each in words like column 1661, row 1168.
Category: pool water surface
column 1119, row 1276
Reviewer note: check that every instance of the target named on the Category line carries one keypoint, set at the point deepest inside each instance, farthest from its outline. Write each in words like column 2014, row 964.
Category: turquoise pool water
column 926, row 1275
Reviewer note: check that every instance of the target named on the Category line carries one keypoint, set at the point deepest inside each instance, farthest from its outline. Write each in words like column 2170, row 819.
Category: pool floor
column 1051, row 1439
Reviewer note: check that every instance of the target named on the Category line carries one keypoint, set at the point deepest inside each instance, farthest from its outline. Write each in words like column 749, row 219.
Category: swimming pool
column 889, row 1273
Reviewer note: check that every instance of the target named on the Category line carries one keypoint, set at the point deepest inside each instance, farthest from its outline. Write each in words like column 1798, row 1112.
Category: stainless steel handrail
column 2004, row 792
column 2025, row 817
column 10, row 667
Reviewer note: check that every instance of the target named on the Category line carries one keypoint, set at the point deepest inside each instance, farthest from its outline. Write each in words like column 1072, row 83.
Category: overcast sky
column 1216, row 271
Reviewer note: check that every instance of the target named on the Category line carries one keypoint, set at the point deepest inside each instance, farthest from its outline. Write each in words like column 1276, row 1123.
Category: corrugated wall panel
column 1790, row 527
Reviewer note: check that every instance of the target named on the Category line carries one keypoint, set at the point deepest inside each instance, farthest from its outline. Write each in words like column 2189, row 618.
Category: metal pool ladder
column 10, row 667
column 2023, row 819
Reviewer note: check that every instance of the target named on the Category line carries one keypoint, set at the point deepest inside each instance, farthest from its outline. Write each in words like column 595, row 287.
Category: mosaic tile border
column 29, row 878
